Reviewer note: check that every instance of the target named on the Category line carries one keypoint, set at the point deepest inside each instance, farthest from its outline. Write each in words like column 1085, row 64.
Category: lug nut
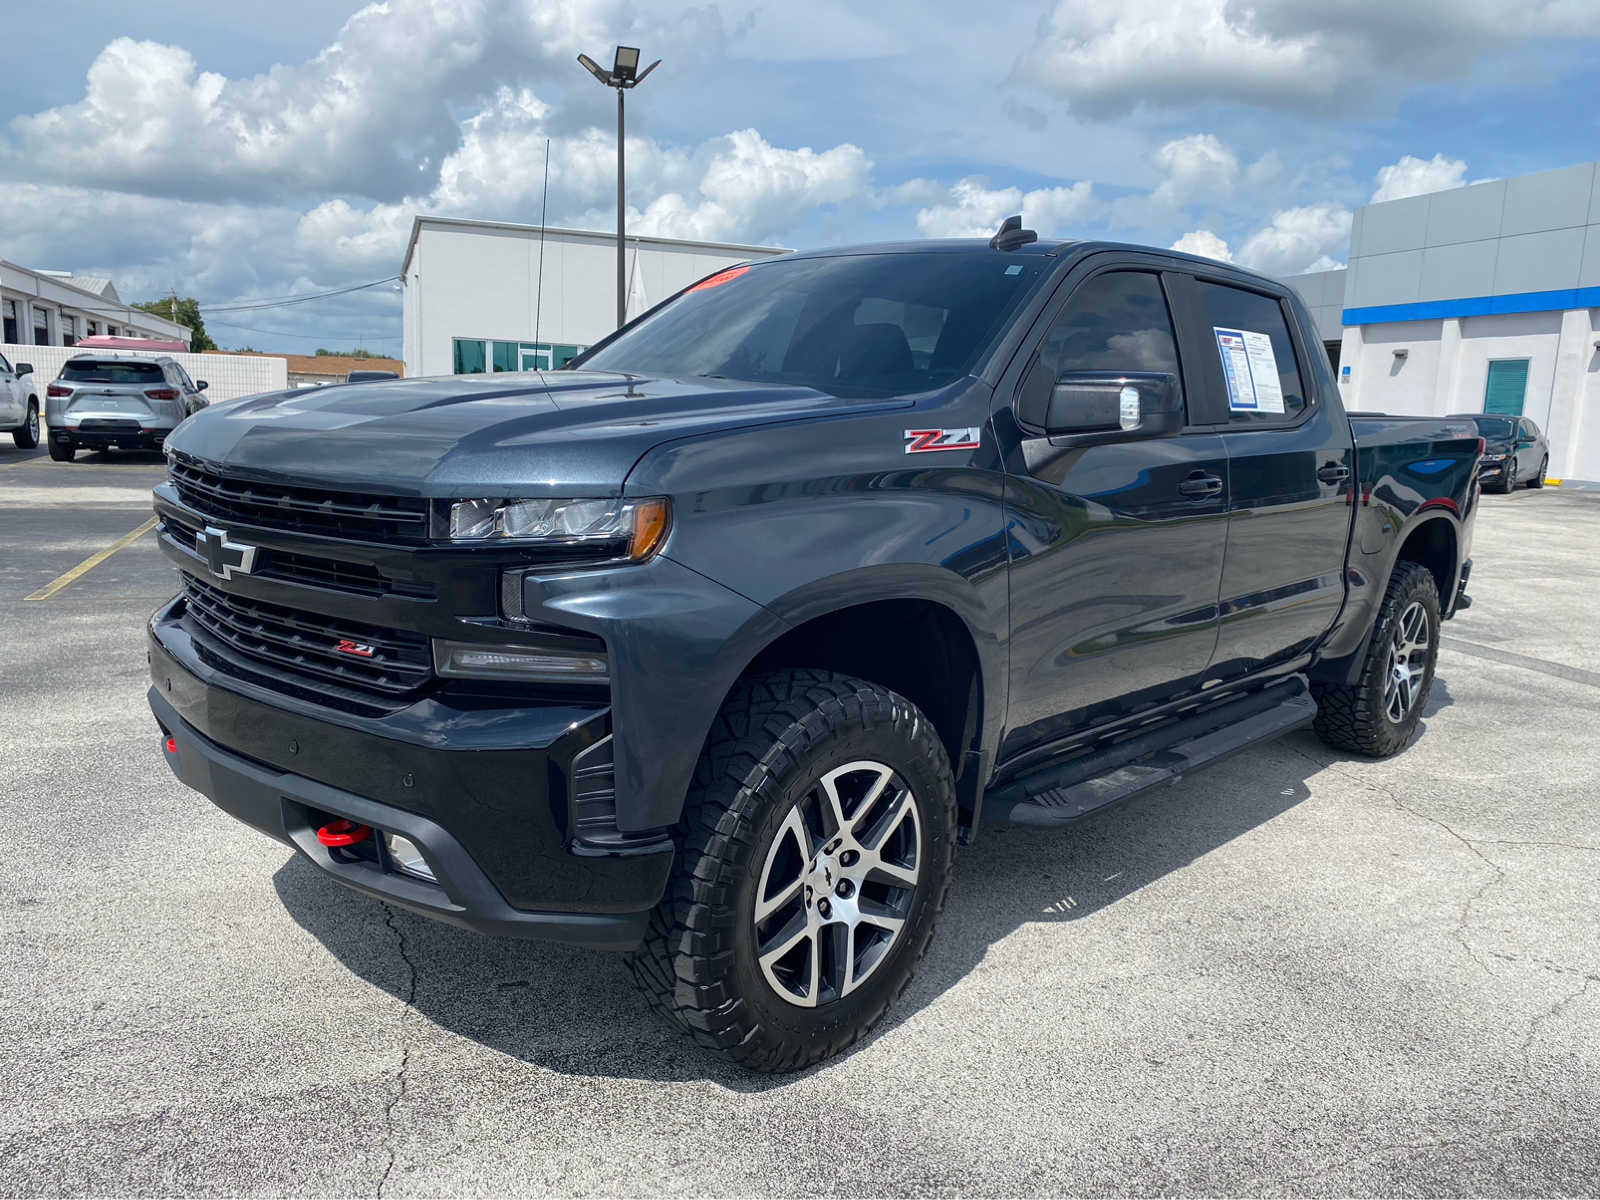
column 824, row 907
column 844, row 889
column 849, row 858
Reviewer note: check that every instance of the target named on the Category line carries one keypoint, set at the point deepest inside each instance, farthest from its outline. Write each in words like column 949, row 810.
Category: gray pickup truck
column 712, row 647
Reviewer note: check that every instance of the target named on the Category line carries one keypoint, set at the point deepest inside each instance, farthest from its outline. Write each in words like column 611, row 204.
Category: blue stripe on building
column 1475, row 306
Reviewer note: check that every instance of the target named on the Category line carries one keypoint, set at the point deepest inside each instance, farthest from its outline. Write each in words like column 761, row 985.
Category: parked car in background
column 369, row 376
column 19, row 403
column 107, row 399
column 1514, row 451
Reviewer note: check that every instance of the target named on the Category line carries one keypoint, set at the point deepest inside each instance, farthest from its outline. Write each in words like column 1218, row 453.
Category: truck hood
column 531, row 434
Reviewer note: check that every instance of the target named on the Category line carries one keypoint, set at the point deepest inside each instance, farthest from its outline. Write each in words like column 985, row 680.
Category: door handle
column 1333, row 473
column 1201, row 485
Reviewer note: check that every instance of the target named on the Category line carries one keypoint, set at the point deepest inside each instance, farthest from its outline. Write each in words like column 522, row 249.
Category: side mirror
column 1141, row 404
column 24, row 368
column 200, row 385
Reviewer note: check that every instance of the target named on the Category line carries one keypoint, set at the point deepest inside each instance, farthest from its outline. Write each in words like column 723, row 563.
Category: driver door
column 1116, row 543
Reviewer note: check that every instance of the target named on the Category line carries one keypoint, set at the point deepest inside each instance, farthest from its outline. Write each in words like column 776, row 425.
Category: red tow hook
column 343, row 833
column 172, row 745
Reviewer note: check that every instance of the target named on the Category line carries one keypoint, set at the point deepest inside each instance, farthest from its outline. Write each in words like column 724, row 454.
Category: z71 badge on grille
column 924, row 441
column 361, row 649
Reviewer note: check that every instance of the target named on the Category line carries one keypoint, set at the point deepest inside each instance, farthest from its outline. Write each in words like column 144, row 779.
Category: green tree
column 187, row 314
column 324, row 352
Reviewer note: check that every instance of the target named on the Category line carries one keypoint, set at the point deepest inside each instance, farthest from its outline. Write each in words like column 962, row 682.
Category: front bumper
column 493, row 823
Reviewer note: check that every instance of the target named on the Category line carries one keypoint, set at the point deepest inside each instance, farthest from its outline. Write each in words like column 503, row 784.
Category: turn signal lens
column 650, row 521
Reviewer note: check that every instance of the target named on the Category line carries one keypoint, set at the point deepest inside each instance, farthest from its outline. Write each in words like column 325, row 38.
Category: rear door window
column 1249, row 337
column 113, row 372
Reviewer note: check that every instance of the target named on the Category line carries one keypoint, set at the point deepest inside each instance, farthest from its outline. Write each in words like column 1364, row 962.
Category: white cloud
column 1204, row 243
column 1413, row 176
column 1110, row 59
column 1298, row 239
column 356, row 118
column 1197, row 165
column 974, row 209
column 752, row 190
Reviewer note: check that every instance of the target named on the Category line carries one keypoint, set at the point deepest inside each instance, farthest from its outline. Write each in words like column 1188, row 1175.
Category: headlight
column 638, row 527
column 1493, row 457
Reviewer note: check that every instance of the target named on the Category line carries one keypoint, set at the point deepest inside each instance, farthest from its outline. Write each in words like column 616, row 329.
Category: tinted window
column 4, row 365
column 1529, row 429
column 1494, row 428
column 1254, row 352
column 856, row 324
column 1114, row 324
column 79, row 371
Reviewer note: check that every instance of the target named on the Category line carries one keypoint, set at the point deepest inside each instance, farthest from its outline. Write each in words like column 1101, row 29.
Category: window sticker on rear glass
column 1251, row 370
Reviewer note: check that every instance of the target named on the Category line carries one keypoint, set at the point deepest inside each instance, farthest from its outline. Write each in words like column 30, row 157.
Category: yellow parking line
column 93, row 561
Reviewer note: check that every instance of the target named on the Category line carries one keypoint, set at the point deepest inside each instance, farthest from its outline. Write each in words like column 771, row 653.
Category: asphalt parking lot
column 1297, row 973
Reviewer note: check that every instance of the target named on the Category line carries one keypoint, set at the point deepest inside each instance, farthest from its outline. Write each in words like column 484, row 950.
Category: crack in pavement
column 1554, row 1011
column 1390, row 1148
column 402, row 1080
column 1465, row 917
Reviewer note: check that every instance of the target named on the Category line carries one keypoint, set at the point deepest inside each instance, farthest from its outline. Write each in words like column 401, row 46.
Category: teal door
column 1506, row 385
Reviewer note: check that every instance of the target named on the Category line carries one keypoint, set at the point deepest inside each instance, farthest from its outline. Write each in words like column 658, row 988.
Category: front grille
column 364, row 517
column 305, row 645
column 313, row 570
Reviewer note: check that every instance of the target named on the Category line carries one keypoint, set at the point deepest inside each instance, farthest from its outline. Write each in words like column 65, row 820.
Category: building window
column 69, row 330
column 469, row 356
column 475, row 356
column 41, row 327
column 8, row 310
column 1505, row 386
column 92, row 328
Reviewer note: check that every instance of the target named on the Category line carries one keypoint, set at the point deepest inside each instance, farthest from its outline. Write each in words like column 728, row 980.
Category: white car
column 19, row 403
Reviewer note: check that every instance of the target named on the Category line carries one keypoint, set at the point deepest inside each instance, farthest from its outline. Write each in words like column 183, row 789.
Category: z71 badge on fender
column 923, row 441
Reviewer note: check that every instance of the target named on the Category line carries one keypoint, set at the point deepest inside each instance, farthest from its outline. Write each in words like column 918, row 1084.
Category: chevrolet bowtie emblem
column 225, row 558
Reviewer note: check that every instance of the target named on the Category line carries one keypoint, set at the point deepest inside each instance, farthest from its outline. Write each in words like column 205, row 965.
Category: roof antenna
column 1012, row 235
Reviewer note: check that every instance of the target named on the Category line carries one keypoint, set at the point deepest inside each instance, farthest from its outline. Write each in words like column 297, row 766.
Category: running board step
column 1059, row 795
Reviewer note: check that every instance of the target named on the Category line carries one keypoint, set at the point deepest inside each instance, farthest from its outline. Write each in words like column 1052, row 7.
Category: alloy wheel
column 1408, row 662
column 837, row 884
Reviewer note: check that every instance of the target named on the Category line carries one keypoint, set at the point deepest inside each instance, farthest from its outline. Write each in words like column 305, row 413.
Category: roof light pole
column 624, row 74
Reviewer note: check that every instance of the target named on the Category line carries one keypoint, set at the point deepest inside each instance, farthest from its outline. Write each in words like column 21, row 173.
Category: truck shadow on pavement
column 576, row 1011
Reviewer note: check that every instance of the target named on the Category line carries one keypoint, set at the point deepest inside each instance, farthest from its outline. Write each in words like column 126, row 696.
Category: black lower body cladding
column 494, row 822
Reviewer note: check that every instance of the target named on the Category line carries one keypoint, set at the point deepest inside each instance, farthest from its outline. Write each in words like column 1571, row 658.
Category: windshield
column 1494, row 428
column 112, row 372
column 851, row 325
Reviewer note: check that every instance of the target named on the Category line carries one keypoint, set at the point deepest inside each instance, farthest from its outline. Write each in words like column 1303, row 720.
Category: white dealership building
column 1477, row 299
column 486, row 296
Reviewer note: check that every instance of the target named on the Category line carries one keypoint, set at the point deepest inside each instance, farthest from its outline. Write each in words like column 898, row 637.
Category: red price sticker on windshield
column 720, row 278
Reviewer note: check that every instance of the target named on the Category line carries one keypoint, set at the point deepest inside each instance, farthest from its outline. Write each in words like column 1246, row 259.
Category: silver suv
column 106, row 399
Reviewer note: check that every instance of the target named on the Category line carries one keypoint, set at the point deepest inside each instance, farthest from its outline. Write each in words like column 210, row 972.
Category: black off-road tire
column 1351, row 717
column 26, row 435
column 776, row 735
column 61, row 452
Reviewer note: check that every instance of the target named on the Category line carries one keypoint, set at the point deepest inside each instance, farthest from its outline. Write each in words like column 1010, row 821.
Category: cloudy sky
column 238, row 152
